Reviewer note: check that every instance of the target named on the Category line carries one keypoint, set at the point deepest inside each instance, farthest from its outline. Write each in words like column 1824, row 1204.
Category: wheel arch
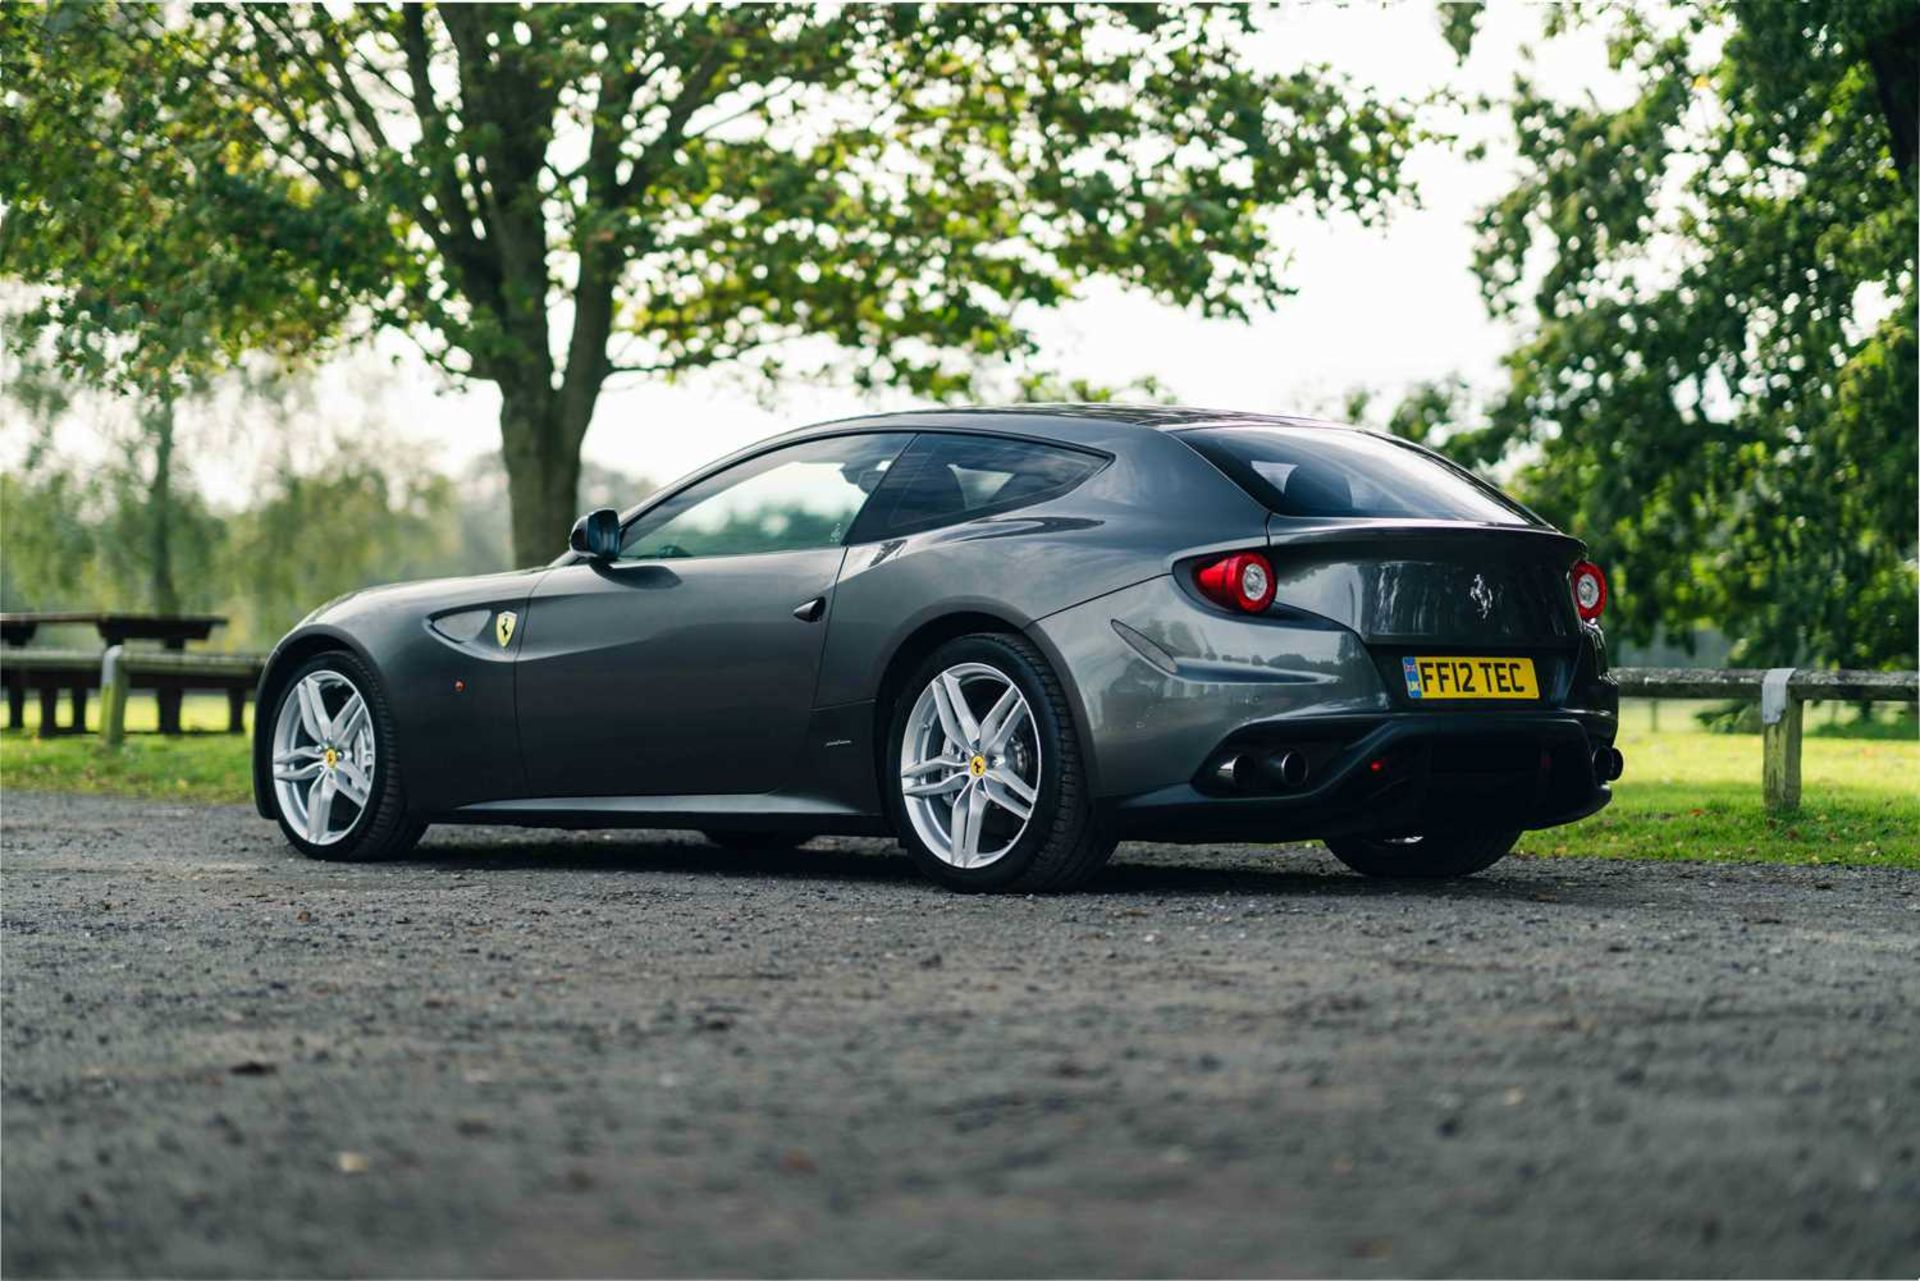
column 929, row 636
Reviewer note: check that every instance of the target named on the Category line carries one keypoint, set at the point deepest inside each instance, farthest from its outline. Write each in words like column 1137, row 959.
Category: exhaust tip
column 1608, row 764
column 1289, row 767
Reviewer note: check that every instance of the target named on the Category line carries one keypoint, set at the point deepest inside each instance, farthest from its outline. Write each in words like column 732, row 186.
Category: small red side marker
column 459, row 687
column 1379, row 765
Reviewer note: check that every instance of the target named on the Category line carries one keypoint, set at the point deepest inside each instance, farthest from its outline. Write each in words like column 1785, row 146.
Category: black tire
column 1423, row 857
column 383, row 829
column 767, row 841
column 1063, row 844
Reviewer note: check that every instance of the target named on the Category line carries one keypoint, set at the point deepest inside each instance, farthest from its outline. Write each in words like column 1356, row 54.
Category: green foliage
column 1459, row 22
column 350, row 524
column 164, row 253
column 1718, row 387
column 79, row 539
column 551, row 196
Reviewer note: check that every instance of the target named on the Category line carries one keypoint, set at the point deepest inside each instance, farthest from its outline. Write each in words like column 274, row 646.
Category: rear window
column 945, row 479
column 1345, row 472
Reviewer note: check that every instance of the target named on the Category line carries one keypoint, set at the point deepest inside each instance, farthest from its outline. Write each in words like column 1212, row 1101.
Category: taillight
column 1589, row 589
column 1242, row 581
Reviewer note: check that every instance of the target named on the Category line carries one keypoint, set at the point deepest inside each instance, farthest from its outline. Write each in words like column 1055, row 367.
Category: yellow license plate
column 1432, row 678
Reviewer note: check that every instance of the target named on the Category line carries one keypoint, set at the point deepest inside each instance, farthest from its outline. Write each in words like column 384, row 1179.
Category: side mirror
column 597, row 534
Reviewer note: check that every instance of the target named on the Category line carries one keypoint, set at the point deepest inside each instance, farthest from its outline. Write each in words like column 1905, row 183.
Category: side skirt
column 732, row 813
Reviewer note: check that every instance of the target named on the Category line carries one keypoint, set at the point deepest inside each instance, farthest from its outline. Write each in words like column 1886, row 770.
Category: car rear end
column 1408, row 652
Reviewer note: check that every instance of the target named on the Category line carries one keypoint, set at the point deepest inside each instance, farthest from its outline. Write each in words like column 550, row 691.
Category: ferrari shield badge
column 503, row 626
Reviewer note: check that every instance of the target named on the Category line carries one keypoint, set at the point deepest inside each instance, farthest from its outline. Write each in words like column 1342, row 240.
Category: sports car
column 1007, row 637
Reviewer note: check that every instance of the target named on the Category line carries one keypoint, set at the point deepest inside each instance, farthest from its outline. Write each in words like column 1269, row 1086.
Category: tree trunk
column 161, row 589
column 1895, row 59
column 543, row 473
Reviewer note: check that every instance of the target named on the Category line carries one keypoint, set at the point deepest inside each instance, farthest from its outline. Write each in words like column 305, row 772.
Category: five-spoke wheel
column 970, row 764
column 988, row 787
column 330, row 751
column 323, row 756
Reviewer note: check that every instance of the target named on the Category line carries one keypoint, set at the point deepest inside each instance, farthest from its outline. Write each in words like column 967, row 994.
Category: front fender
column 444, row 672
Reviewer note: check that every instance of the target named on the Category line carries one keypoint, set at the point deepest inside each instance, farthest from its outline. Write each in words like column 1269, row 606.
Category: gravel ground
column 584, row 1054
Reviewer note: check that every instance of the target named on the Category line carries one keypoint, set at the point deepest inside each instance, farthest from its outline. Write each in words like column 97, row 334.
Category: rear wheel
column 336, row 787
column 985, row 777
column 1423, row 857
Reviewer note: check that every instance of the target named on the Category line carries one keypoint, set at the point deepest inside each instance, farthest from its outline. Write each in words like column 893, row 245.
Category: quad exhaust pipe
column 1287, row 768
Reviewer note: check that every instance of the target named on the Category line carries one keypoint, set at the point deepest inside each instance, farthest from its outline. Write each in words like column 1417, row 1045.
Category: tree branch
column 695, row 92
column 478, row 269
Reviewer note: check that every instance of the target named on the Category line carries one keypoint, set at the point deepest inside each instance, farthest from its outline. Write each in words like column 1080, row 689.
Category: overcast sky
column 1376, row 307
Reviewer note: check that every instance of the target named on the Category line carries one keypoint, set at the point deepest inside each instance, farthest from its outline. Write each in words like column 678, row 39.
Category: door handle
column 811, row 611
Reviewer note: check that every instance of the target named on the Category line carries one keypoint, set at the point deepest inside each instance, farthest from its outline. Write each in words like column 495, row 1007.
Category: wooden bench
column 167, row 673
column 172, row 631
column 49, row 672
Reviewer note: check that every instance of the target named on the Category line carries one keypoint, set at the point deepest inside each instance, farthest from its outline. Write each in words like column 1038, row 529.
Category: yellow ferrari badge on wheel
column 503, row 627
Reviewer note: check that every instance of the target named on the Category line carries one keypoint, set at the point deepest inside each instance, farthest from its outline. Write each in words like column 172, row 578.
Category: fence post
column 1781, row 717
column 113, row 696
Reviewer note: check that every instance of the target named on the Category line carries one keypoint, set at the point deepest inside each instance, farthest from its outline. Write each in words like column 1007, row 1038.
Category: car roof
column 1150, row 417
column 1101, row 426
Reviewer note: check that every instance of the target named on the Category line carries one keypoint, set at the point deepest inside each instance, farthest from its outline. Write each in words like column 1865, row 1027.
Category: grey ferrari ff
column 1008, row 637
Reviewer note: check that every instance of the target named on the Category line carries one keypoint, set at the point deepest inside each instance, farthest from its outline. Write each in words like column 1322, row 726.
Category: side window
column 806, row 495
column 944, row 479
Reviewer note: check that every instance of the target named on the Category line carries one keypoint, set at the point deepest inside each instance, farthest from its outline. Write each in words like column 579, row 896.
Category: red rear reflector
column 1241, row 581
column 1378, row 766
column 1589, row 589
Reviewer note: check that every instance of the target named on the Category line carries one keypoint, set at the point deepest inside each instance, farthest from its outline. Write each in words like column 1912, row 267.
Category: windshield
column 1345, row 472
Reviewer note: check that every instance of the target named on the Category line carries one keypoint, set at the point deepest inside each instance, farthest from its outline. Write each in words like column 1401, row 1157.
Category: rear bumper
column 1402, row 772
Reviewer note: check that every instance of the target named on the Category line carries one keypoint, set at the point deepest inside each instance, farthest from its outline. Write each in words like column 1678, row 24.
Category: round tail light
column 1589, row 590
column 1242, row 581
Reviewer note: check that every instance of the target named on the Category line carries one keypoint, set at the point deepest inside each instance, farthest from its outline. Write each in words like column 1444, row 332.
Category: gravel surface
column 591, row 1054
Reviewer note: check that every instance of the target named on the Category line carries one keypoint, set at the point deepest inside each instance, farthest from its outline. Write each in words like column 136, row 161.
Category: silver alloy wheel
column 323, row 756
column 970, row 765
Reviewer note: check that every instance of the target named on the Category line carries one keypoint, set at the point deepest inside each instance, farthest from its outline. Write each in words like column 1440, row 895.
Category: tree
column 1717, row 385
column 550, row 197
column 141, row 228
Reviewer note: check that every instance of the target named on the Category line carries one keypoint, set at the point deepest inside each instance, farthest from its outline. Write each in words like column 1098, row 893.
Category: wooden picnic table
column 172, row 631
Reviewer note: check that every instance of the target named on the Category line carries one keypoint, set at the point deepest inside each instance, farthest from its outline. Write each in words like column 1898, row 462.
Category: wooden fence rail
column 1781, row 691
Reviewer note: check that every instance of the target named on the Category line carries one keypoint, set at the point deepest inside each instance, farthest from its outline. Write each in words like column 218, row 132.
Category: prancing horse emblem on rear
column 503, row 626
column 1481, row 593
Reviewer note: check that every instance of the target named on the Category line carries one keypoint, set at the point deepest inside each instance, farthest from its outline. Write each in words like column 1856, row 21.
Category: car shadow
column 1239, row 871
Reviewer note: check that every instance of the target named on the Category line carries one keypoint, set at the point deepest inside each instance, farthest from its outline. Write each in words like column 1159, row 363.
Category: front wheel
column 1423, row 857
column 984, row 771
column 336, row 787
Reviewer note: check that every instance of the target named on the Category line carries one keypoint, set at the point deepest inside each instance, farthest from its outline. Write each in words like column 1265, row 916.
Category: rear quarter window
column 1342, row 472
column 945, row 479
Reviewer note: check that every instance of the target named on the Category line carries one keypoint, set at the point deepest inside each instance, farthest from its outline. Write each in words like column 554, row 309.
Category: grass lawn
column 204, row 764
column 1687, row 794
